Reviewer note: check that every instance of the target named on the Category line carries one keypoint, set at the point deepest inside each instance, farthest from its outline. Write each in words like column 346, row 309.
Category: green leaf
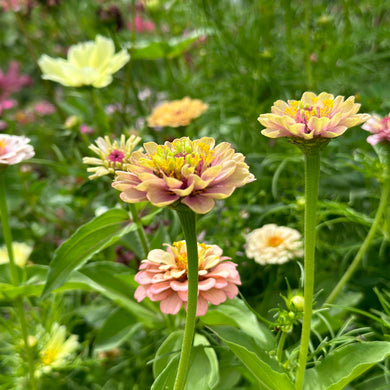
column 203, row 366
column 89, row 239
column 106, row 278
column 345, row 364
column 235, row 313
column 117, row 328
column 266, row 370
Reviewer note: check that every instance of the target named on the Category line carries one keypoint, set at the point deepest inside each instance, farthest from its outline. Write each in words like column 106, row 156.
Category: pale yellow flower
column 272, row 244
column 21, row 253
column 113, row 156
column 57, row 349
column 88, row 63
column 176, row 113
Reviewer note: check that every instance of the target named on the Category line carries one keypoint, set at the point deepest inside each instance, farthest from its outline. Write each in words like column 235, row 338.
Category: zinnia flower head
column 272, row 244
column 194, row 173
column 57, row 348
column 312, row 117
column 88, row 63
column 113, row 156
column 379, row 128
column 176, row 113
column 21, row 253
column 14, row 149
column 163, row 277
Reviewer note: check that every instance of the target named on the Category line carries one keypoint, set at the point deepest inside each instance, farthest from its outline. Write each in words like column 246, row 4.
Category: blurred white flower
column 21, row 253
column 272, row 244
column 88, row 63
column 14, row 149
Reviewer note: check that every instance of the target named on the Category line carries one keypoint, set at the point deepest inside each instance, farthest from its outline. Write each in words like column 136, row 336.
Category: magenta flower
column 12, row 81
column 194, row 173
column 14, row 149
column 44, row 108
column 312, row 117
column 163, row 277
column 141, row 25
column 379, row 128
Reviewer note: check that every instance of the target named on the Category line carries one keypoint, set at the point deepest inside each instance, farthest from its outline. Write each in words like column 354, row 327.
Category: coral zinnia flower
column 312, row 117
column 88, row 63
column 191, row 172
column 272, row 244
column 113, row 156
column 14, row 149
column 379, row 127
column 176, row 113
column 163, row 277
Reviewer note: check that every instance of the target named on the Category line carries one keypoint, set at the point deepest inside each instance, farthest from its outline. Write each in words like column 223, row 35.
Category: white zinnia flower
column 272, row 244
column 88, row 63
column 21, row 252
column 14, row 149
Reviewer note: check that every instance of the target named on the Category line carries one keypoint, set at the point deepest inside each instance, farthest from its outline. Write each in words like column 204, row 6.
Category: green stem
column 140, row 229
column 188, row 223
column 15, row 280
column 99, row 110
column 312, row 174
column 279, row 352
column 366, row 244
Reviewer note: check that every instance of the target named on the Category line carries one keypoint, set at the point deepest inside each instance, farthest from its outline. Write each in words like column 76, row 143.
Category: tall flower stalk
column 310, row 123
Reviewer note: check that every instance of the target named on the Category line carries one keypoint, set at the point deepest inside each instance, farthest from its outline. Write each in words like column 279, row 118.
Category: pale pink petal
column 231, row 290
column 199, row 203
column 214, row 296
column 157, row 288
column 140, row 293
column 179, row 286
column 171, row 305
column 206, row 284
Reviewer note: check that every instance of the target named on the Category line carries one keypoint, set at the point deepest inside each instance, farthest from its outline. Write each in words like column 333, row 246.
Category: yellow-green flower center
column 275, row 241
column 49, row 356
column 3, row 144
column 170, row 159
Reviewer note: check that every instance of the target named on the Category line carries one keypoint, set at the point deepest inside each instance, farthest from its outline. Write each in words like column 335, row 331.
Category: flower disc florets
column 113, row 155
column 191, row 172
column 312, row 117
column 379, row 128
column 163, row 277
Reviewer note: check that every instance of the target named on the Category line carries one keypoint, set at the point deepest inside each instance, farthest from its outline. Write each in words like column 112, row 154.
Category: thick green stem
column 188, row 222
column 140, row 230
column 15, row 280
column 366, row 244
column 279, row 352
column 312, row 174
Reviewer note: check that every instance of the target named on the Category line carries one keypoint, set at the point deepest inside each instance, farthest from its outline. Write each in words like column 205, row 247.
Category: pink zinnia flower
column 12, row 81
column 312, row 117
column 379, row 128
column 44, row 108
column 14, row 149
column 194, row 173
column 163, row 277
column 141, row 25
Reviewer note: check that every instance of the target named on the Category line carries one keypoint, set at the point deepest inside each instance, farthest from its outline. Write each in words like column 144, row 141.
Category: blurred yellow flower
column 21, row 253
column 176, row 113
column 88, row 63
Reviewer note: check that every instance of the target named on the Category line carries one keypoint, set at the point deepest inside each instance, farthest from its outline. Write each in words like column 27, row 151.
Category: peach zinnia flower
column 176, row 113
column 312, row 117
column 191, row 172
column 272, row 244
column 14, row 149
column 163, row 277
column 379, row 128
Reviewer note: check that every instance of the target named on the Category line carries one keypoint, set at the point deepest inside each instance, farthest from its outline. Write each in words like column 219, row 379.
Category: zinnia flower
column 272, row 244
column 21, row 252
column 113, row 156
column 88, row 63
column 57, row 348
column 163, row 277
column 176, row 113
column 190, row 172
column 14, row 149
column 312, row 117
column 379, row 128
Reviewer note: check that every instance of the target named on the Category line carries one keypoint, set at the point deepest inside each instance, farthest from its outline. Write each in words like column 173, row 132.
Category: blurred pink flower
column 163, row 277
column 312, row 117
column 379, row 128
column 85, row 129
column 14, row 149
column 194, row 173
column 141, row 25
column 44, row 108
column 12, row 81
